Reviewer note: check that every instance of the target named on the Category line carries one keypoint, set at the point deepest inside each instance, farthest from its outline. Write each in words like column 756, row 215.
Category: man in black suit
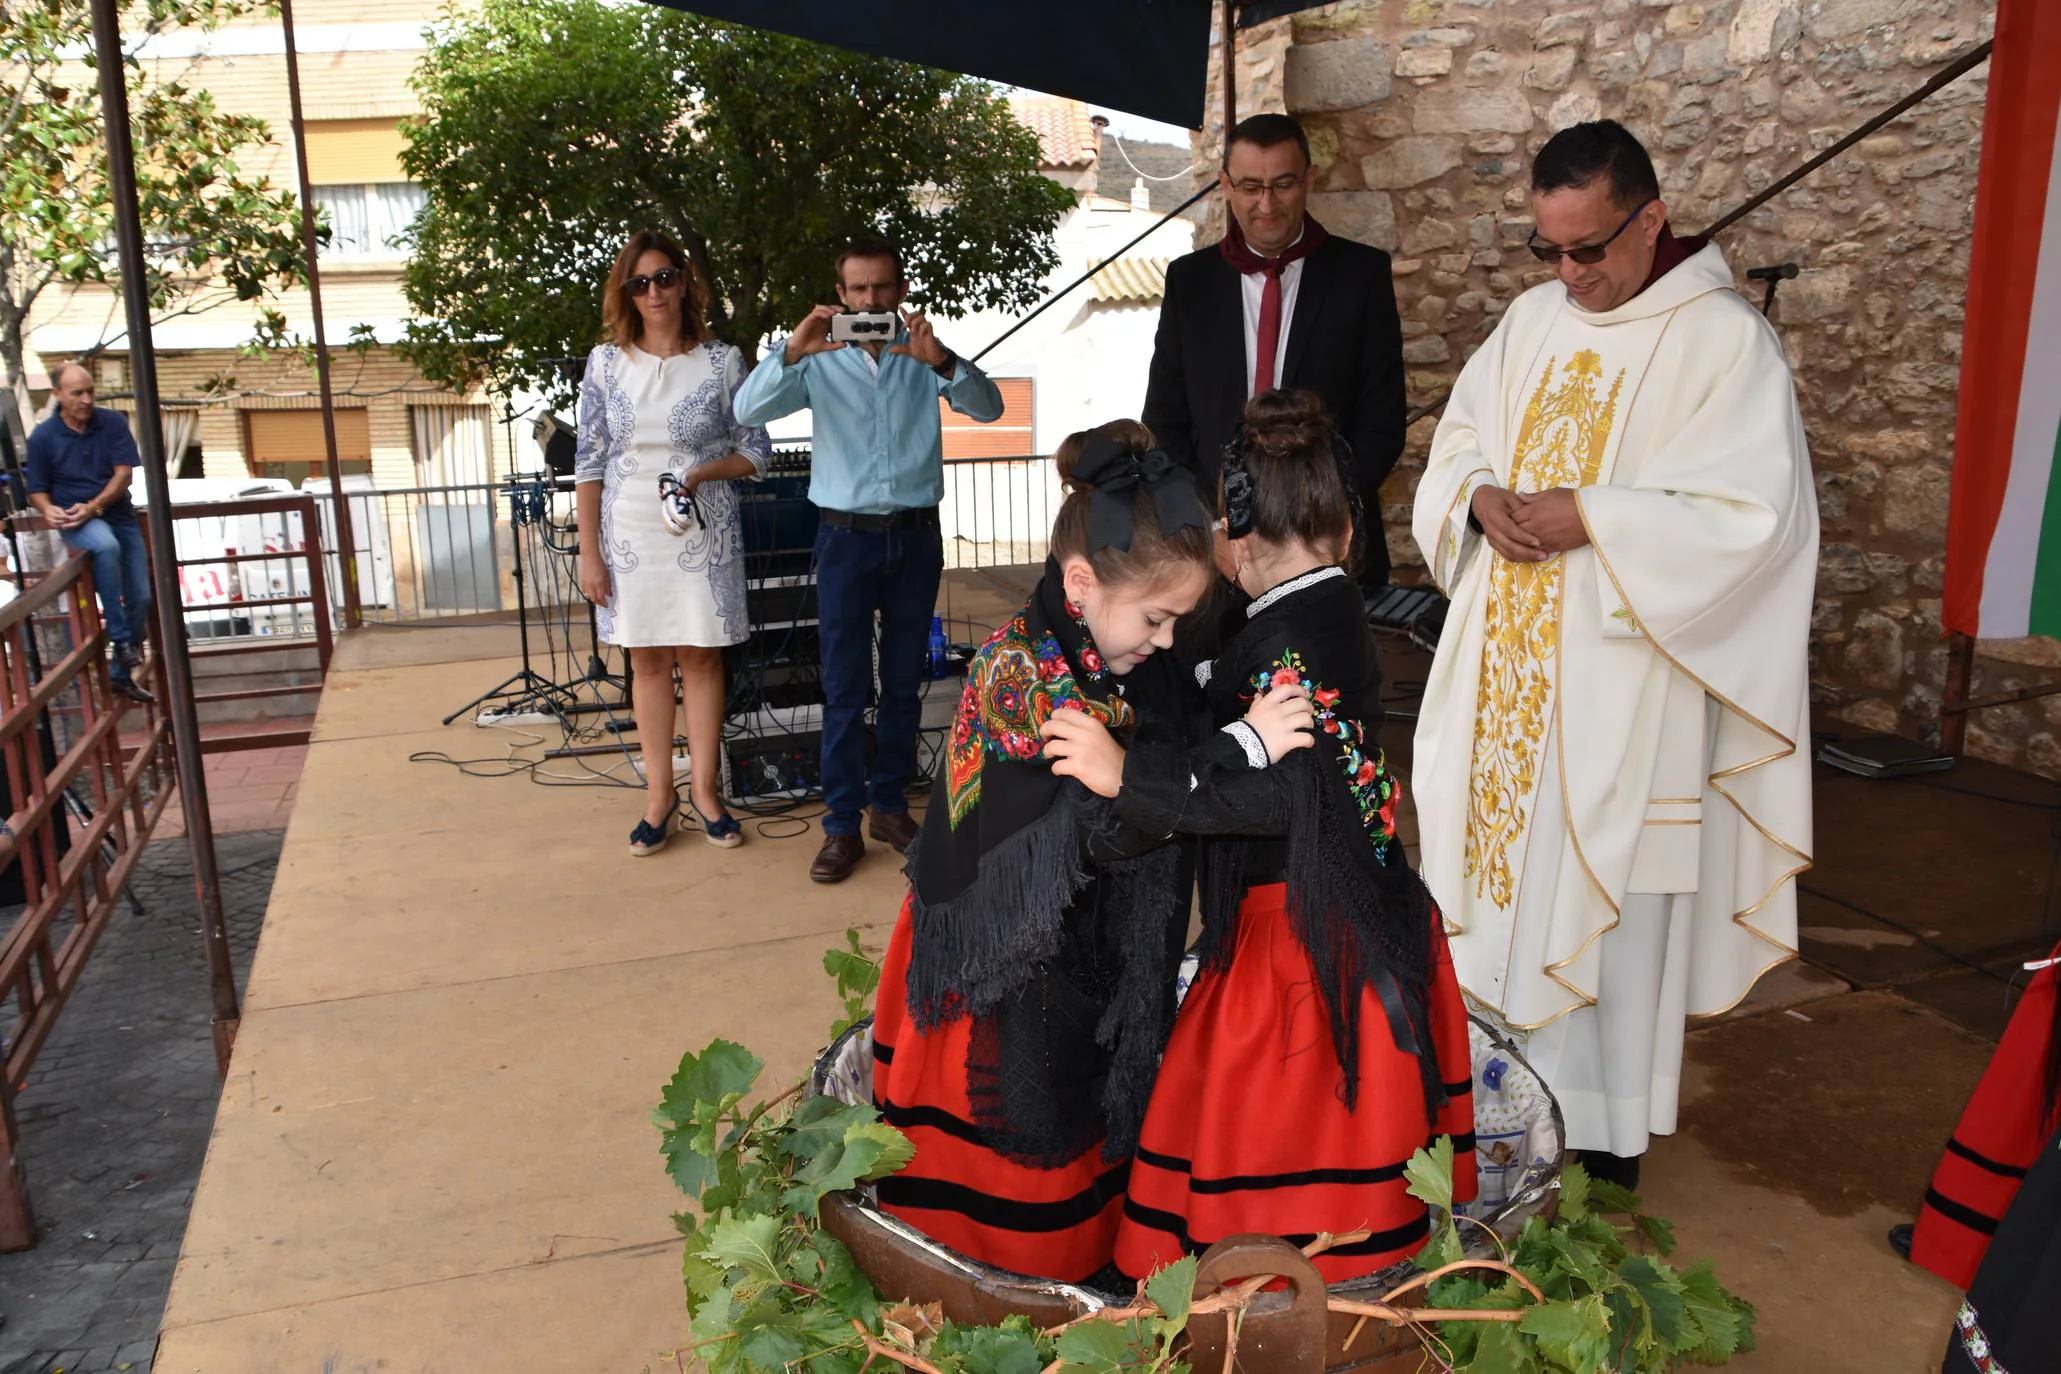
column 1280, row 303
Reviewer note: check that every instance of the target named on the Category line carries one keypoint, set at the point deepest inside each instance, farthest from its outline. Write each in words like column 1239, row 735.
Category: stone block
column 1481, row 231
column 1492, row 145
column 1488, row 65
column 1451, row 264
column 1915, row 500
column 1829, row 21
column 1460, row 111
column 1684, row 19
column 1432, row 348
column 1367, row 216
column 1439, row 38
column 1420, row 62
column 1428, row 236
column 1760, row 29
column 1410, row 162
column 1824, row 294
column 1615, row 69
column 1705, row 57
column 1344, row 75
column 1561, row 29
column 1573, row 107
column 1874, row 656
column 1431, row 309
column 1843, row 569
column 1551, row 70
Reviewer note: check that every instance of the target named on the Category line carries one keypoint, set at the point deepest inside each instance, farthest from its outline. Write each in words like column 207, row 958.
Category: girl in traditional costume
column 1028, row 988
column 1324, row 1040
column 1991, row 1222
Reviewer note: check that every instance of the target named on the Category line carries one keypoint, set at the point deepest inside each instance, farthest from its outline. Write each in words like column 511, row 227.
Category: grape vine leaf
column 1172, row 1290
column 1576, row 1334
column 1661, row 1291
column 750, row 1243
column 1718, row 1322
column 1098, row 1346
column 1574, row 1193
column 895, row 1149
column 1430, row 1174
column 1498, row 1351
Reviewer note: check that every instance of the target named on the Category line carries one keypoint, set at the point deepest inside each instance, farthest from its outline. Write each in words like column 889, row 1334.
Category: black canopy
column 1144, row 57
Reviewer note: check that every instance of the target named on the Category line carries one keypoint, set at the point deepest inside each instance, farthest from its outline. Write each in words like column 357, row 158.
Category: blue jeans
column 858, row 573
column 121, row 577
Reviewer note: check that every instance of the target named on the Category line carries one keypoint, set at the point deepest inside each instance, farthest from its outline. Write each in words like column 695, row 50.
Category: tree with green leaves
column 554, row 128
column 213, row 233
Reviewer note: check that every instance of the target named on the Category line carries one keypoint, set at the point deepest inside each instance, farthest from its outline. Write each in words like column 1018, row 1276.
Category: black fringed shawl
column 1033, row 913
column 1362, row 915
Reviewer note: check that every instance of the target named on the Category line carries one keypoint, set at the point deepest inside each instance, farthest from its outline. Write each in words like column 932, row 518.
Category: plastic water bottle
column 939, row 646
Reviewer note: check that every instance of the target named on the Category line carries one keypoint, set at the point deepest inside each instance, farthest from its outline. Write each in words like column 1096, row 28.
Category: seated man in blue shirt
column 878, row 477
column 80, row 463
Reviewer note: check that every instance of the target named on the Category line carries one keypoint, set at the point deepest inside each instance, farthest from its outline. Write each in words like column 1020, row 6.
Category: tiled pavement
column 118, row 1109
column 248, row 789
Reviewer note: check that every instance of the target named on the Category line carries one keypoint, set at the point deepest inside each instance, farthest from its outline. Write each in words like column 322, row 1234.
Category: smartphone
column 864, row 326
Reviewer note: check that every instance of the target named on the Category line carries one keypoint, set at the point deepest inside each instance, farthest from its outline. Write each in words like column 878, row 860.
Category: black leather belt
column 922, row 518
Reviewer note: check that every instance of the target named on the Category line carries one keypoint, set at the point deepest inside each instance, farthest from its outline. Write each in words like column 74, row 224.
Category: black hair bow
column 1112, row 471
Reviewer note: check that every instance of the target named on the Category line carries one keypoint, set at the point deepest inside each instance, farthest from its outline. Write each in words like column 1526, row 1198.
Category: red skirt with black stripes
column 1246, row 1131
column 1054, row 1223
column 2000, row 1133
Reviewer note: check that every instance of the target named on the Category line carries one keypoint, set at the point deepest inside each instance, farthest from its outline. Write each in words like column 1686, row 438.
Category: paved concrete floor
column 115, row 1121
column 434, row 1152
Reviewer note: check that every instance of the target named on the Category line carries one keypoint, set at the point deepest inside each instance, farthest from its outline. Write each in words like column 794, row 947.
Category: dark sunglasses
column 1589, row 254
column 665, row 279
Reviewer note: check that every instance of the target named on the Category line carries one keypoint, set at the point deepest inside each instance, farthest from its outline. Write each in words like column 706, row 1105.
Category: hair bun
column 1128, row 433
column 1277, row 421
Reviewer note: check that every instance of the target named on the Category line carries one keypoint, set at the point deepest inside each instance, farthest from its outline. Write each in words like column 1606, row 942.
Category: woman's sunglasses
column 665, row 279
column 1589, row 254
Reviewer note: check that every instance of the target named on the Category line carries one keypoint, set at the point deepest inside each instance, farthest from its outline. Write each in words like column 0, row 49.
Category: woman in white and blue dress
column 661, row 545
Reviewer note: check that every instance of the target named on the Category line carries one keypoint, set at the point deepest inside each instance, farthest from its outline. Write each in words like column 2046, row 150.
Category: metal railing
column 80, row 807
column 265, row 593
column 998, row 510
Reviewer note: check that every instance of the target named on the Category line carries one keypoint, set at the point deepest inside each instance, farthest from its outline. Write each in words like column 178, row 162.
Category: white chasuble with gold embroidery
column 1626, row 718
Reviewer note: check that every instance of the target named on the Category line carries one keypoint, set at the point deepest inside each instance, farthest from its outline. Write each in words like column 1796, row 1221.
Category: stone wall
column 1424, row 116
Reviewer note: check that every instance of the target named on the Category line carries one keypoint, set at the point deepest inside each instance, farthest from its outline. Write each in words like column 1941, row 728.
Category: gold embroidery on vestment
column 1560, row 444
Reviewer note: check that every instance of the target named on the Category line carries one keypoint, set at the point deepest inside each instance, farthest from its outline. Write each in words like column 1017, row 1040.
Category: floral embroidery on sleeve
column 1374, row 789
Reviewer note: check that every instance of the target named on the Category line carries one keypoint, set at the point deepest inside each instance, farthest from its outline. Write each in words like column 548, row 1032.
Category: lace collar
column 1291, row 587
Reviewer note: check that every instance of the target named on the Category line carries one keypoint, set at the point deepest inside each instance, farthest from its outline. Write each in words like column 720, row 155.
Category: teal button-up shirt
column 878, row 445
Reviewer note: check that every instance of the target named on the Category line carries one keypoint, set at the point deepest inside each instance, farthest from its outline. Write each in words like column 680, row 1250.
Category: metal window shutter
column 295, row 436
column 353, row 152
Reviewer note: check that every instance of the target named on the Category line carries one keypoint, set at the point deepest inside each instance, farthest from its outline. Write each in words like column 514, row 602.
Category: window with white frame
column 369, row 221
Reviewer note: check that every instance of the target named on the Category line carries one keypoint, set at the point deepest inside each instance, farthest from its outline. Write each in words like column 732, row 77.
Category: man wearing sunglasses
column 877, row 477
column 1610, row 770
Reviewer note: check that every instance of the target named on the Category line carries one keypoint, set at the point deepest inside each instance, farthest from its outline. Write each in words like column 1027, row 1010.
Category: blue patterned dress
column 643, row 416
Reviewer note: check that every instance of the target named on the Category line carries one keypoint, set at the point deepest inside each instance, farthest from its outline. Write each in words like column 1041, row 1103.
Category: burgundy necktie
column 1269, row 329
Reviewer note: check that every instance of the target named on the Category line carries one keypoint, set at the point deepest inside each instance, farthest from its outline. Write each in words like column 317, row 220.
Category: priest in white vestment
column 1611, row 773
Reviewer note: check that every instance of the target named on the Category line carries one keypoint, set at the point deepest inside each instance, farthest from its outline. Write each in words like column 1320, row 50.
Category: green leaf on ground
column 1499, row 1350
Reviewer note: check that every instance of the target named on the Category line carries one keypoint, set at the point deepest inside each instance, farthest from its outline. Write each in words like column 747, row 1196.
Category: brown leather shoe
column 897, row 828
column 837, row 858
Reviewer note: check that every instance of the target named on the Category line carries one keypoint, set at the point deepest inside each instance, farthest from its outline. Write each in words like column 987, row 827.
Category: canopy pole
column 346, row 543
column 157, row 512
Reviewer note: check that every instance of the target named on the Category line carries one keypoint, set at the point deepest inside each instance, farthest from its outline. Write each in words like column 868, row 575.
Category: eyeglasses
column 1589, row 254
column 665, row 279
column 1253, row 187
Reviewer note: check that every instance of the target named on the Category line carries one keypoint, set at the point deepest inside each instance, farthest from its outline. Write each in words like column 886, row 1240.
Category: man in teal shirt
column 878, row 475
